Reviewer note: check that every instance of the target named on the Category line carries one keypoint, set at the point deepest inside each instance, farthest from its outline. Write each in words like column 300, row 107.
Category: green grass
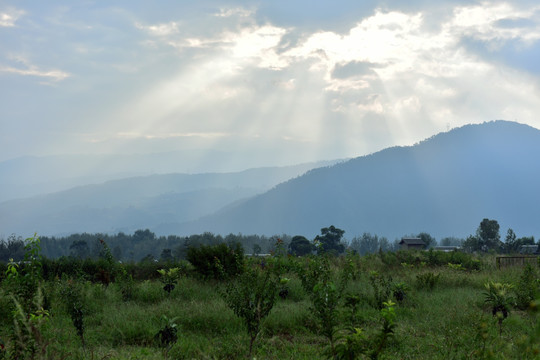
column 449, row 321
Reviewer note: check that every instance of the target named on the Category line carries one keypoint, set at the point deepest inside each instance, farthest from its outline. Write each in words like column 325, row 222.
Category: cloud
column 164, row 29
column 228, row 12
column 55, row 75
column 489, row 22
column 9, row 17
column 149, row 136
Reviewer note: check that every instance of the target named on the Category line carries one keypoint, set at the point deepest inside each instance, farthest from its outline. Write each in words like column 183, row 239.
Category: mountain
column 444, row 185
column 138, row 202
column 37, row 175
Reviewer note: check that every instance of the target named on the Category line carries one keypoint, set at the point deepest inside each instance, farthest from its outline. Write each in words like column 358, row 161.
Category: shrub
column 399, row 290
column 217, row 261
column 72, row 296
column 527, row 288
column 427, row 280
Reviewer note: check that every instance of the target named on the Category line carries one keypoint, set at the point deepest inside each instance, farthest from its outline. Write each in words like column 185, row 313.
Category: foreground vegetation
column 219, row 304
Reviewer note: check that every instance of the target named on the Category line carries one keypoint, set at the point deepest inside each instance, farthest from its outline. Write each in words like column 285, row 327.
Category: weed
column 427, row 280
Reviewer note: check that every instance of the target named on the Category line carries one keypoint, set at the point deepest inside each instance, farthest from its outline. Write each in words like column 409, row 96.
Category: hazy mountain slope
column 444, row 185
column 139, row 202
column 30, row 176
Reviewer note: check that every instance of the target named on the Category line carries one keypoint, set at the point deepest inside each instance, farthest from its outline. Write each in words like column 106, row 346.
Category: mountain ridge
column 432, row 186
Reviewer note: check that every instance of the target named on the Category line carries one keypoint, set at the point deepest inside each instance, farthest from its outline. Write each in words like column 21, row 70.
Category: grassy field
column 445, row 318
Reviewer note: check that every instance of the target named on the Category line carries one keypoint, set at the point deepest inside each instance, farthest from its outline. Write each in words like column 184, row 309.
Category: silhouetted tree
column 300, row 246
column 488, row 235
column 256, row 249
column 429, row 240
column 79, row 249
column 166, row 255
column 510, row 242
column 330, row 240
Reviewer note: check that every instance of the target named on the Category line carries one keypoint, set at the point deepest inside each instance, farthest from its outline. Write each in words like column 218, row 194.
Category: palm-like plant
column 499, row 297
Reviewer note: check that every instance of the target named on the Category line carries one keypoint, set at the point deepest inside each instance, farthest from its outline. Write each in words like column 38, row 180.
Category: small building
column 528, row 249
column 447, row 248
column 412, row 244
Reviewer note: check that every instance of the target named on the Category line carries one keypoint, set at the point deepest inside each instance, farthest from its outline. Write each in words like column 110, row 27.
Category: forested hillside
column 444, row 186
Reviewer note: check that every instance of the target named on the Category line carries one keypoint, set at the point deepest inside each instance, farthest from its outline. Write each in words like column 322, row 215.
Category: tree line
column 144, row 245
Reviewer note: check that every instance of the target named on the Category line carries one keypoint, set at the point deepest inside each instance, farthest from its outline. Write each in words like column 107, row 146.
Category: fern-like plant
column 499, row 298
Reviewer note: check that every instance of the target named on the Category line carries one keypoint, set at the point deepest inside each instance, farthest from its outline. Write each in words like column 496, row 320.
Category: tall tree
column 429, row 240
column 510, row 244
column 488, row 235
column 330, row 240
column 300, row 246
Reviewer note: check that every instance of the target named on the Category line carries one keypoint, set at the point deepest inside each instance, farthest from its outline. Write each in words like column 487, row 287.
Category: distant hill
column 138, row 202
column 444, row 185
column 34, row 175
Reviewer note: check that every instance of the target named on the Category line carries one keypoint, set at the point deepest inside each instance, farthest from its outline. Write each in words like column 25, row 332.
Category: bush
column 217, row 261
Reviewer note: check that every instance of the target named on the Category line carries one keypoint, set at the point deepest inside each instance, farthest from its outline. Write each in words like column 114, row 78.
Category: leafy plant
column 73, row 300
column 168, row 334
column 252, row 296
column 169, row 278
column 217, row 262
column 351, row 345
column 23, row 279
column 284, row 289
column 399, row 290
column 527, row 288
column 457, row 267
column 498, row 297
column 352, row 302
column 107, row 267
column 356, row 342
column 29, row 342
column 325, row 294
column 382, row 288
column 126, row 284
column 388, row 314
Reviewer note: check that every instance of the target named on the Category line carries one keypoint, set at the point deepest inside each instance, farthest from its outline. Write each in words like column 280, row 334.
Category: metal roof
column 412, row 241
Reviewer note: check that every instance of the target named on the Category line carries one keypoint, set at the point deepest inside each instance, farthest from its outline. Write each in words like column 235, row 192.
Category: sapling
column 382, row 288
column 284, row 289
column 252, row 296
column 168, row 334
column 74, row 301
column 354, row 342
column 325, row 293
column 169, row 278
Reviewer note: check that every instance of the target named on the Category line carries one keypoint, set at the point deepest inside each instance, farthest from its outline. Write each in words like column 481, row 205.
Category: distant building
column 447, row 248
column 412, row 244
column 529, row 249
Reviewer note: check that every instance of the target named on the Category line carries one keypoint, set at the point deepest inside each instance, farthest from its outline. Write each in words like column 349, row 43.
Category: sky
column 279, row 81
